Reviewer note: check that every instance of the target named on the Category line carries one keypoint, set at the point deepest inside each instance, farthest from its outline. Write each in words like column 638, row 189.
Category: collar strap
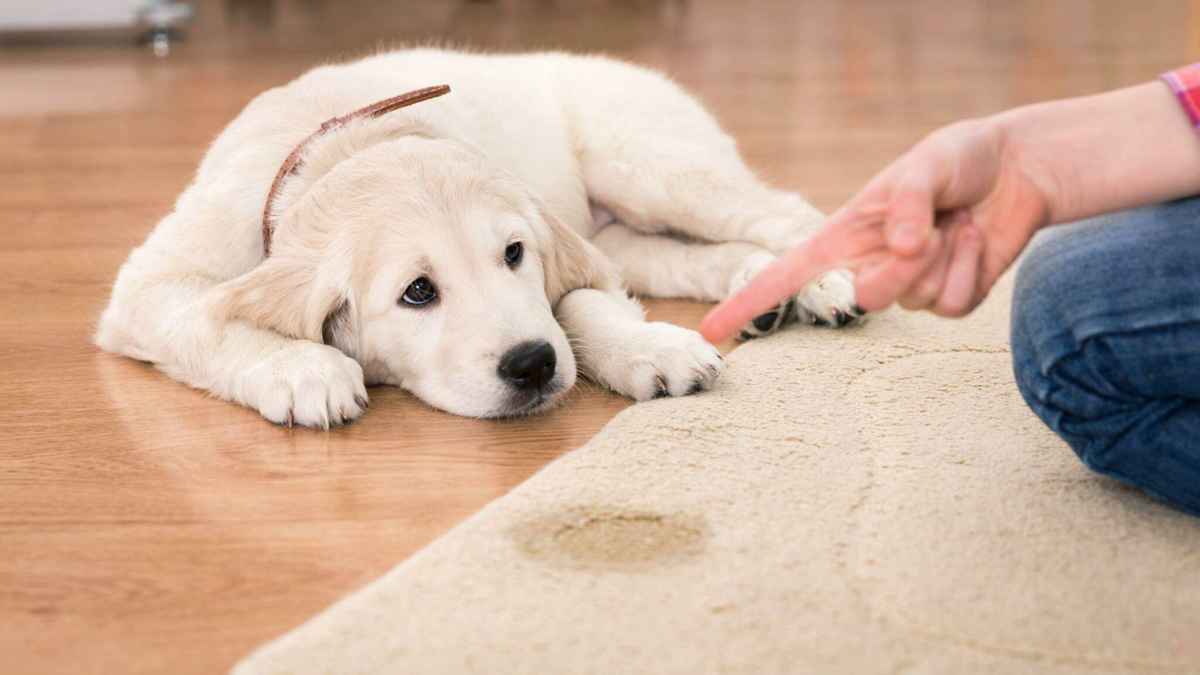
column 292, row 164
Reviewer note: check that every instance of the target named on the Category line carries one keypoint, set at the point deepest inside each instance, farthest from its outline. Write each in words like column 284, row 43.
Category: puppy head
column 435, row 272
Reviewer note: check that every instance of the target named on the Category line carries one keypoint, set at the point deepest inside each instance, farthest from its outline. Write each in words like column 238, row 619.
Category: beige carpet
column 870, row 501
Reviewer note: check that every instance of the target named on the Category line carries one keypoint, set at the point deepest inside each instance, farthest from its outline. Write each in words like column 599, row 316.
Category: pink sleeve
column 1185, row 82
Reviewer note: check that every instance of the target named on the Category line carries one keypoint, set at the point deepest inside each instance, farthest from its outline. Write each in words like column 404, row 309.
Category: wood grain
column 145, row 528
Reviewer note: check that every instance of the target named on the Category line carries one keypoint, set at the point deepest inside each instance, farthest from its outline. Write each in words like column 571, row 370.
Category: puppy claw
column 766, row 322
column 769, row 322
column 662, row 360
column 661, row 390
column 829, row 301
column 307, row 385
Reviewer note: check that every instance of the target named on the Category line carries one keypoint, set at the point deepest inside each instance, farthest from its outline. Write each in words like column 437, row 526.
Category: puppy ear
column 571, row 262
column 285, row 294
column 337, row 330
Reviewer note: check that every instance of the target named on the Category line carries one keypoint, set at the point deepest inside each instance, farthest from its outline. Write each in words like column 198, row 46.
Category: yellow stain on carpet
column 606, row 538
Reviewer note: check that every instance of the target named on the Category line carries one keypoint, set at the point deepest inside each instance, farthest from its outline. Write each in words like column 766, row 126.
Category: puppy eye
column 420, row 292
column 513, row 254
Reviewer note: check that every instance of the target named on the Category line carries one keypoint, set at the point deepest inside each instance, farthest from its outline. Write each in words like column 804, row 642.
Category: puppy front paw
column 663, row 359
column 308, row 384
column 829, row 301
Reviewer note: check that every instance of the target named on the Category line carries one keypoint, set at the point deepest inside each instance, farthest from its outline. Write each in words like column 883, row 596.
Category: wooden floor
column 145, row 528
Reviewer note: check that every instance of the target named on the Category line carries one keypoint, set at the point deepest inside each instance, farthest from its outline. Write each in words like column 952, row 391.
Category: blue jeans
column 1106, row 344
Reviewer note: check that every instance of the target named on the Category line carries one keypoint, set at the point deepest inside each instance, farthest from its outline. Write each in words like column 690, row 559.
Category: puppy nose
column 529, row 365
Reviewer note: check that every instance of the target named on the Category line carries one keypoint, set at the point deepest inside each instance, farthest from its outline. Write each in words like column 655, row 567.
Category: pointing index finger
column 846, row 238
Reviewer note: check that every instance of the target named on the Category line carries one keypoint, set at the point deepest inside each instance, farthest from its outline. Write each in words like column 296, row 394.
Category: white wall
column 66, row 14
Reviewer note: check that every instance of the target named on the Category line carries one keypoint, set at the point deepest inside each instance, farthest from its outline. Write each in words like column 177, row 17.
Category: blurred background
column 819, row 91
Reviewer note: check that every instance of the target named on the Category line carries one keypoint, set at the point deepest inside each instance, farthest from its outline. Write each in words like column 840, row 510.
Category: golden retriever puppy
column 472, row 247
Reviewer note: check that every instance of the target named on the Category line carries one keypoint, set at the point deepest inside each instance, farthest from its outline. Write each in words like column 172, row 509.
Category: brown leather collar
column 292, row 163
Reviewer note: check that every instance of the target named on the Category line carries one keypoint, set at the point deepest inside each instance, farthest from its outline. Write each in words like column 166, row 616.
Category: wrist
column 1038, row 156
column 1104, row 153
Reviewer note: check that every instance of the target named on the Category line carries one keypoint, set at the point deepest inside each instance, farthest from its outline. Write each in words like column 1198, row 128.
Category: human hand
column 934, row 230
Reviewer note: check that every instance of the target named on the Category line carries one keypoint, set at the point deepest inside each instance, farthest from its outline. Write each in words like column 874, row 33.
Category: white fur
column 597, row 167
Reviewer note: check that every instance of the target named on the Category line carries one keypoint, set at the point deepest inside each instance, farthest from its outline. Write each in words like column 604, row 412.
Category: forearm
column 1107, row 152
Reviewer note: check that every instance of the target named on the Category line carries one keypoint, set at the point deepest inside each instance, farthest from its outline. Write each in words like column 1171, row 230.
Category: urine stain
column 595, row 537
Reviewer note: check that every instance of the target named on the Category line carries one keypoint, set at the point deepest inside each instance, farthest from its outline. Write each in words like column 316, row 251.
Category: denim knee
column 1076, row 404
column 1056, row 383
column 1103, row 321
column 1062, row 362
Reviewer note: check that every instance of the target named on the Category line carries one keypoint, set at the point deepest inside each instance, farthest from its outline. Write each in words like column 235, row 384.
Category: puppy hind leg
column 695, row 191
column 666, row 267
column 662, row 164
